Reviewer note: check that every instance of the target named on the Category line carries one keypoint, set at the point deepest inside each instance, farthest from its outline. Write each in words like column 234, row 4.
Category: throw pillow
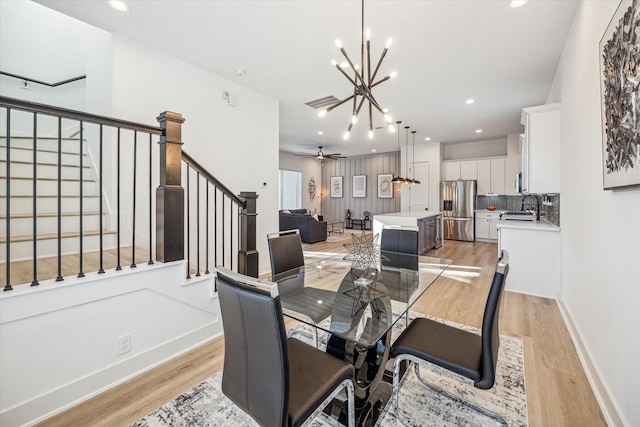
column 287, row 211
column 315, row 216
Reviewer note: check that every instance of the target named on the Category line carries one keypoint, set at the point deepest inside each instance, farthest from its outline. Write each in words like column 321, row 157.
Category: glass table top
column 354, row 299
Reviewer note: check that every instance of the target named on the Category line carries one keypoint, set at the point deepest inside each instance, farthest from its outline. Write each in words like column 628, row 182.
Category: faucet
column 537, row 204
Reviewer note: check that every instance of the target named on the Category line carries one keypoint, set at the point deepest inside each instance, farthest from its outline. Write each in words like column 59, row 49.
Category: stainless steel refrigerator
column 458, row 199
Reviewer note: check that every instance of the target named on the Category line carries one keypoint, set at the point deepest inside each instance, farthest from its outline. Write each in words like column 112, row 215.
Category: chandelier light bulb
column 354, row 119
column 388, row 118
column 338, row 43
column 389, row 42
column 391, row 128
column 370, row 134
column 322, row 113
column 393, row 74
column 334, row 62
column 367, row 34
column 344, row 64
column 346, row 135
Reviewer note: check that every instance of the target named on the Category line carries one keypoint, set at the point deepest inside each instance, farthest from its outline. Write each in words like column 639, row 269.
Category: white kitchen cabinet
column 541, row 152
column 491, row 176
column 469, row 169
column 453, row 171
column 486, row 225
column 534, row 257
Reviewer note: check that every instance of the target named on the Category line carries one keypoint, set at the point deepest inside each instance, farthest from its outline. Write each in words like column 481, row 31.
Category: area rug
column 205, row 405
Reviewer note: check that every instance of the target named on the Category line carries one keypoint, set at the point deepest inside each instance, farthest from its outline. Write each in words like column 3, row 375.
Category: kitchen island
column 428, row 224
column 534, row 256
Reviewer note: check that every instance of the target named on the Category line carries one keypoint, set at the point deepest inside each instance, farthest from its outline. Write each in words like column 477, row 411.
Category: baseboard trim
column 608, row 406
column 53, row 402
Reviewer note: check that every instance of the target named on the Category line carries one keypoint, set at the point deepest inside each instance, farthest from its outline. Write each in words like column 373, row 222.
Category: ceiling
column 443, row 51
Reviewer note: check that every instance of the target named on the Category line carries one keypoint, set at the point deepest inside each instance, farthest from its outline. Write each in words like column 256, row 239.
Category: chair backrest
column 285, row 251
column 490, row 330
column 256, row 363
column 399, row 240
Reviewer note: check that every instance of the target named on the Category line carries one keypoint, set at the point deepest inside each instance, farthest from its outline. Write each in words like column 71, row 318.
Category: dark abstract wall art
column 620, row 91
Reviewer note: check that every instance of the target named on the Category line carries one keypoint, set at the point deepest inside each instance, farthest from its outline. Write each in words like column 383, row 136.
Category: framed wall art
column 620, row 94
column 385, row 187
column 359, row 186
column 336, row 186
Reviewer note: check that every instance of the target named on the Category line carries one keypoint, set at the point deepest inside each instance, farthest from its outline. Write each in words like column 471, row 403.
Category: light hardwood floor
column 558, row 393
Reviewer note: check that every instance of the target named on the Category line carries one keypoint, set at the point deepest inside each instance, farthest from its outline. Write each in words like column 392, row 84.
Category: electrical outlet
column 123, row 344
column 226, row 95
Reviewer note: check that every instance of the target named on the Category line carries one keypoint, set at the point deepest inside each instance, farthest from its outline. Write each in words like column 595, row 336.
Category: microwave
column 518, row 183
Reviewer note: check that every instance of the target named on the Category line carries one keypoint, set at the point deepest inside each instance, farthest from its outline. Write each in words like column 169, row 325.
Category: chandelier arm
column 384, row 53
column 344, row 73
column 370, row 118
column 369, row 63
column 358, row 76
column 337, row 104
column 380, row 81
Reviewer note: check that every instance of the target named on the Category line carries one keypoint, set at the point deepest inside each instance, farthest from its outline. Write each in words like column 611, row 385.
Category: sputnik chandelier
column 363, row 81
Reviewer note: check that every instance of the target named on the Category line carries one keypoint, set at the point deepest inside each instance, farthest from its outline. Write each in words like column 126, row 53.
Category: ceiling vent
column 322, row 102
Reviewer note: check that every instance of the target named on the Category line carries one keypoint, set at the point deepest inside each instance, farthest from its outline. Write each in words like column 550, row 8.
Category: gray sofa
column 311, row 230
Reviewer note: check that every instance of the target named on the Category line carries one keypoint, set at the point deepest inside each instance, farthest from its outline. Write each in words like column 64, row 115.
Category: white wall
column 59, row 340
column 238, row 145
column 475, row 149
column 310, row 168
column 600, row 229
column 424, row 152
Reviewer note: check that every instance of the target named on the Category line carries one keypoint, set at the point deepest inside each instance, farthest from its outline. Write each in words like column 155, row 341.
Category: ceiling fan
column 322, row 156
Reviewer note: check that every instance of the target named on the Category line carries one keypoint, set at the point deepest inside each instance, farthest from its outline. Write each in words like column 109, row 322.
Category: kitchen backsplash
column 549, row 204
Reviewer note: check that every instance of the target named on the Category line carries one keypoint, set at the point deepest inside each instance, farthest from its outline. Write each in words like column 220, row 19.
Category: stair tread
column 29, row 238
column 42, row 150
column 38, row 178
column 22, row 162
column 49, row 214
column 48, row 196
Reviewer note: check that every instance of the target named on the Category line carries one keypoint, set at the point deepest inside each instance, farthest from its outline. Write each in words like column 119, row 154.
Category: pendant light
column 407, row 180
column 413, row 171
column 398, row 179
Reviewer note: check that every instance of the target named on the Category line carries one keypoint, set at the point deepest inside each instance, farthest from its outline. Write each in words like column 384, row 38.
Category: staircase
column 75, row 171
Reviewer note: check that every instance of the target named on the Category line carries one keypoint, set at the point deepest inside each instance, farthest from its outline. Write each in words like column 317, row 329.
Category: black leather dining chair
column 287, row 265
column 399, row 240
column 278, row 381
column 427, row 341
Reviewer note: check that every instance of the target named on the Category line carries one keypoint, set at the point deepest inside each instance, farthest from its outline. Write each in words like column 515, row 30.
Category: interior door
column 419, row 193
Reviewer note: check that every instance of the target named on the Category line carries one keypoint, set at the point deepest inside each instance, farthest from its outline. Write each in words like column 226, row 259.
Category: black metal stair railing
column 218, row 210
column 236, row 238
column 13, row 107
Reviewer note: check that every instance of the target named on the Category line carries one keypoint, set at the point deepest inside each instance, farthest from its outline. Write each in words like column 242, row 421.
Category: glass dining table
column 356, row 301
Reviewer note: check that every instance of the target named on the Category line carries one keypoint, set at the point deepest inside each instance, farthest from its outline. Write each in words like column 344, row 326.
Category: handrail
column 63, row 82
column 34, row 107
column 195, row 165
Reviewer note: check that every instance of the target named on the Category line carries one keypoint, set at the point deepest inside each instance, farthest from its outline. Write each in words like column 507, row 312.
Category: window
column 290, row 196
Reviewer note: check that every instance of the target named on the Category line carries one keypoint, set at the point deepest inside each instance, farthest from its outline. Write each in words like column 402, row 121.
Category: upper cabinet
column 491, row 176
column 467, row 170
column 541, row 150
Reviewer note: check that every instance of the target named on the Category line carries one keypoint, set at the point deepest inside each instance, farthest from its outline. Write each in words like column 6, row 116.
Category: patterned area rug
column 206, row 406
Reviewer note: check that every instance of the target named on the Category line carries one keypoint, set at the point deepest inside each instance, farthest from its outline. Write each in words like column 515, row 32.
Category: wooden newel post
column 170, row 194
column 247, row 253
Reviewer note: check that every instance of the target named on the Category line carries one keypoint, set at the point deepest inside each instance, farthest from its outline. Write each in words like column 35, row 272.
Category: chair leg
column 417, row 361
column 351, row 418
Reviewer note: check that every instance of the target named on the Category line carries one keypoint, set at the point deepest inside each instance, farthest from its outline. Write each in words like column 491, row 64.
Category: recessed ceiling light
column 517, row 3
column 320, row 132
column 427, row 139
column 469, row 101
column 478, row 130
column 119, row 5
column 374, row 150
column 240, row 72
